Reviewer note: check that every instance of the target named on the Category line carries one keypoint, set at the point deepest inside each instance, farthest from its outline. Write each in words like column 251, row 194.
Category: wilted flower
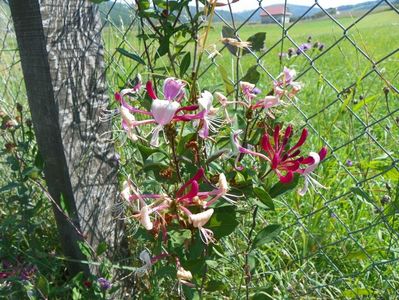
column 213, row 52
column 236, row 43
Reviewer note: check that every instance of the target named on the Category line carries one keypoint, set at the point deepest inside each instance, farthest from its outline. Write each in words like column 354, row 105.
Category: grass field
column 343, row 241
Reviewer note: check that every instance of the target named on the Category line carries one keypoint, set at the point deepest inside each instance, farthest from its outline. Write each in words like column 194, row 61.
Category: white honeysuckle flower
column 200, row 219
column 146, row 260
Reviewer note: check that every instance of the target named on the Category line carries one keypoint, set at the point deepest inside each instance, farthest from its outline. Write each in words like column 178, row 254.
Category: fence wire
column 338, row 242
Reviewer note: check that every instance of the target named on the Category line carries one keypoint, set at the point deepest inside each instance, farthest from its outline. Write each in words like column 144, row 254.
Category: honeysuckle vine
column 202, row 158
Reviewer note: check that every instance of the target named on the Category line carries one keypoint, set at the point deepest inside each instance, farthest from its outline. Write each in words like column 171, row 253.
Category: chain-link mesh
column 338, row 242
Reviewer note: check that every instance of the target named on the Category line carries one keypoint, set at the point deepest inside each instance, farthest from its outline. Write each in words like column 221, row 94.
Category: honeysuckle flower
column 163, row 111
column 198, row 221
column 284, row 162
column 183, row 275
column 267, row 102
column 129, row 194
column 210, row 121
column 314, row 160
column 248, row 89
column 224, row 103
column 238, row 148
column 285, row 84
column 173, row 89
column 147, row 263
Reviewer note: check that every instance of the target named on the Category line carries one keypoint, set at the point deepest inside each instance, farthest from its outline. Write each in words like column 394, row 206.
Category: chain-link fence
column 341, row 241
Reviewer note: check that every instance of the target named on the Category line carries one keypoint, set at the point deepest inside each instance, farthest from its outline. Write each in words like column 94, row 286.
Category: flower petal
column 163, row 111
column 173, row 89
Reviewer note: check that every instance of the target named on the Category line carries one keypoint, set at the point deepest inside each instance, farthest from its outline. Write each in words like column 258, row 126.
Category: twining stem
column 202, row 48
column 175, row 160
column 247, row 270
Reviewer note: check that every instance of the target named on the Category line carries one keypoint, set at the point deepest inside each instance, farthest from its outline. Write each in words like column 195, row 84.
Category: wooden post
column 44, row 110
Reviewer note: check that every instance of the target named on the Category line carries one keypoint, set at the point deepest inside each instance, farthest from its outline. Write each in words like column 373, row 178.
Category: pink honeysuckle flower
column 163, row 112
column 284, row 162
column 285, row 84
column 288, row 75
column 188, row 195
column 210, row 121
column 267, row 102
column 240, row 149
column 173, row 89
column 249, row 90
column 129, row 194
column 314, row 159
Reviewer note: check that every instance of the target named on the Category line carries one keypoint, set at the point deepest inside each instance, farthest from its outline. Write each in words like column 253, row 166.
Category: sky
column 243, row 5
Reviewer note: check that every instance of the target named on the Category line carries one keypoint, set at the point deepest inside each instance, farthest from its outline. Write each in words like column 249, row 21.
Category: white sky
column 243, row 5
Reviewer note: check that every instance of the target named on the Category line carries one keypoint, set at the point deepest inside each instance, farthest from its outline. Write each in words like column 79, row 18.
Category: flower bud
column 386, row 90
column 183, row 274
column 223, row 183
column 145, row 218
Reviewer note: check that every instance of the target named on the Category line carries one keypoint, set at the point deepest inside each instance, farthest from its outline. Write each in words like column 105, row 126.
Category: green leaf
column 252, row 75
column 8, row 187
column 264, row 197
column 130, row 55
column 178, row 237
column 31, row 172
column 85, row 249
column 364, row 102
column 257, row 42
column 223, row 221
column 43, row 285
column 356, row 292
column 215, row 285
column 281, row 188
column 228, row 32
column 64, row 204
column 144, row 4
column 227, row 83
column 266, row 235
column 163, row 47
column 101, row 248
column 148, row 151
column 185, row 64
